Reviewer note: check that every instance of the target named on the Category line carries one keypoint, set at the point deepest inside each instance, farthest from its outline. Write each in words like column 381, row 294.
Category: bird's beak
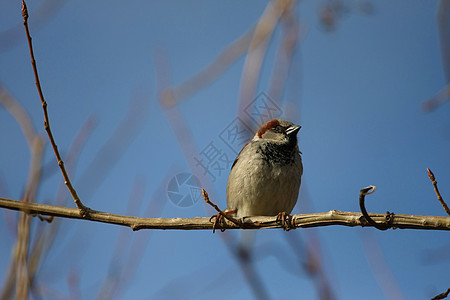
column 293, row 130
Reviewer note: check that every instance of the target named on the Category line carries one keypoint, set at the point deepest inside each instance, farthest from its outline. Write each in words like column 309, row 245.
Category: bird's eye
column 277, row 129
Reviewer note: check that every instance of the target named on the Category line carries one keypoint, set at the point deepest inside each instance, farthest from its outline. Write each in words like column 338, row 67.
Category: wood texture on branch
column 333, row 217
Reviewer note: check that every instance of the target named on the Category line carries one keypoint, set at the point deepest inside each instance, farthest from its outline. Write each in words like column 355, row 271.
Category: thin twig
column 433, row 180
column 83, row 209
column 333, row 217
column 442, row 295
column 228, row 217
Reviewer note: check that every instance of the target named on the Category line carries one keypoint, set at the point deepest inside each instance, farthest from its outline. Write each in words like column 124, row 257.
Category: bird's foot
column 219, row 220
column 286, row 220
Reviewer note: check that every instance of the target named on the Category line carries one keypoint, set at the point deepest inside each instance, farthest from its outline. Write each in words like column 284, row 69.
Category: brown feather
column 266, row 127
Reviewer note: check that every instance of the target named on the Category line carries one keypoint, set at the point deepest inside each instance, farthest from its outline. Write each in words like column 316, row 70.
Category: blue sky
column 356, row 91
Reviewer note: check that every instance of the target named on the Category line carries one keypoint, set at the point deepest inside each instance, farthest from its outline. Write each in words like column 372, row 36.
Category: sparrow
column 265, row 177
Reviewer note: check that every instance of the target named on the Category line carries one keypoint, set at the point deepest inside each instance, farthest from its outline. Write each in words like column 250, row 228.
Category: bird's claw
column 286, row 220
column 219, row 220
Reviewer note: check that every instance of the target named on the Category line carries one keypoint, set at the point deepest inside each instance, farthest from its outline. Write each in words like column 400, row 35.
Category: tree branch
column 438, row 194
column 441, row 295
column 83, row 210
column 333, row 217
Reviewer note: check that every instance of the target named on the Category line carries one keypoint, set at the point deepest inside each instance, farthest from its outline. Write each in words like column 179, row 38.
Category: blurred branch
column 436, row 255
column 129, row 253
column 19, row 114
column 292, row 36
column 176, row 119
column 433, row 102
column 250, row 273
column 23, row 283
column 212, row 71
column 83, row 210
column 44, row 235
column 18, row 273
column 45, row 11
column 168, row 98
column 115, row 146
column 381, row 269
column 443, row 14
column 121, row 266
column 333, row 217
column 257, row 49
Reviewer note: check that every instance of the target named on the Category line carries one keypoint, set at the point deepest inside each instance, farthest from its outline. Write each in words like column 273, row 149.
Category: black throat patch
column 275, row 153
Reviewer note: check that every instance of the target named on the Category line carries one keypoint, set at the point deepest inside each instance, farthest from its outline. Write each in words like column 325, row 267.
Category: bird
column 265, row 177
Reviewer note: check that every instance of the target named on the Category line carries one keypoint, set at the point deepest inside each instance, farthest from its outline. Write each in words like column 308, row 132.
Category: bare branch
column 442, row 295
column 226, row 216
column 333, row 217
column 433, row 180
column 83, row 210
